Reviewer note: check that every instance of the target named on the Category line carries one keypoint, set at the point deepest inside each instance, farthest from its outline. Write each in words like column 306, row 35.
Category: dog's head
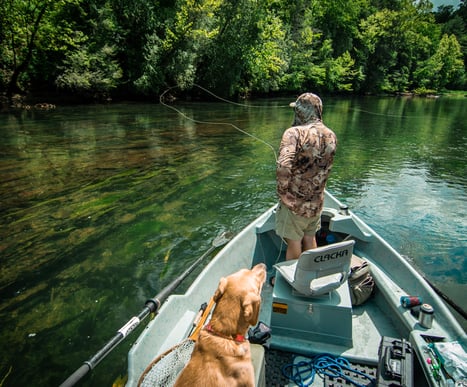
column 238, row 298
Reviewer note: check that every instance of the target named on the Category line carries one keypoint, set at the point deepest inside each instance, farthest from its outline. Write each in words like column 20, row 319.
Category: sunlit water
column 103, row 206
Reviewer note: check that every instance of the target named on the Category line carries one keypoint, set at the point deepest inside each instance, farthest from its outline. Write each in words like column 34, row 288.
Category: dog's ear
column 251, row 307
column 220, row 289
column 260, row 272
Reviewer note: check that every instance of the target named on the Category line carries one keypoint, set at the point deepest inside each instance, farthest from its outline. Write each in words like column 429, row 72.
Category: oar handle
column 106, row 349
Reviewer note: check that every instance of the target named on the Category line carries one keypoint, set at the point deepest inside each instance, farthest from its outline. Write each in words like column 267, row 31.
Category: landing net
column 164, row 370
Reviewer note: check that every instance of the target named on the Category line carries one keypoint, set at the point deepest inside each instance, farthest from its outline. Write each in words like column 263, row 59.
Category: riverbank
column 50, row 100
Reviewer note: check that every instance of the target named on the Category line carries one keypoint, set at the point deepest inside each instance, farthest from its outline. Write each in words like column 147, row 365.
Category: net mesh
column 164, row 370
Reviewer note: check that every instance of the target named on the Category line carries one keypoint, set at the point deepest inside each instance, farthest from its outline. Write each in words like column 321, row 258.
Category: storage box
column 395, row 366
column 326, row 319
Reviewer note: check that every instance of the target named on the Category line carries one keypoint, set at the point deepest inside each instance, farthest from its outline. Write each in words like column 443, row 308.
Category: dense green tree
column 454, row 22
column 338, row 21
column 172, row 56
column 266, row 61
column 304, row 42
column 89, row 72
column 341, row 73
column 138, row 21
column 228, row 46
column 311, row 49
column 91, row 68
column 28, row 27
column 444, row 68
column 100, row 48
column 392, row 43
column 249, row 53
column 225, row 58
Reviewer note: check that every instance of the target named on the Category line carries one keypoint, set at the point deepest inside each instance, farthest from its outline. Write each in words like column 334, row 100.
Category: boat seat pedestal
column 326, row 318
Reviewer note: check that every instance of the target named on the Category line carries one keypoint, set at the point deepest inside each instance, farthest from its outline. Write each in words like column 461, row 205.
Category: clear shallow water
column 102, row 206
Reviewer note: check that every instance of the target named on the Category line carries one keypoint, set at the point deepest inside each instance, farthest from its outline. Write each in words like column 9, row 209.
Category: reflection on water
column 103, row 206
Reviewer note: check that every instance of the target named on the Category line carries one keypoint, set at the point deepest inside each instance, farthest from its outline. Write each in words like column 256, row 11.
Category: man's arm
column 287, row 151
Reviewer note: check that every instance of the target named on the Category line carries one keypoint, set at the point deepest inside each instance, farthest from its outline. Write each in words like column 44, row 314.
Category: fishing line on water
column 384, row 114
column 161, row 100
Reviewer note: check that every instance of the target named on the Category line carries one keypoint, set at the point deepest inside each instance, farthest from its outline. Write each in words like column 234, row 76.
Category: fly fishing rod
column 152, row 306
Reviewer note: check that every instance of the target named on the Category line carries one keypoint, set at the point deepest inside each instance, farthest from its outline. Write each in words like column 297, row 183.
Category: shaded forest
column 102, row 49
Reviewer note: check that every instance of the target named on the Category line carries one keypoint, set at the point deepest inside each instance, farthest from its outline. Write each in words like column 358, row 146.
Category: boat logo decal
column 334, row 255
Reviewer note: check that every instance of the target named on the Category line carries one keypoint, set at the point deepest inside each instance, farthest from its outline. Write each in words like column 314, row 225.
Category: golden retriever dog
column 221, row 356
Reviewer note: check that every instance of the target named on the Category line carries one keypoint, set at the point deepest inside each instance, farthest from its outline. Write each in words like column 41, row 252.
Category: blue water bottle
column 410, row 301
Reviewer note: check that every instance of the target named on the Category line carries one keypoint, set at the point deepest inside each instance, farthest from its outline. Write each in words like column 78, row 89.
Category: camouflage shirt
column 306, row 155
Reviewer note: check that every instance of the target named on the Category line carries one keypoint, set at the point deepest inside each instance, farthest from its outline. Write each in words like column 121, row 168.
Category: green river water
column 102, row 206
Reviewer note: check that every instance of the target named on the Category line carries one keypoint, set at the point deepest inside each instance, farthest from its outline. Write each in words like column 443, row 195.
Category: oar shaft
column 448, row 300
column 152, row 306
column 156, row 301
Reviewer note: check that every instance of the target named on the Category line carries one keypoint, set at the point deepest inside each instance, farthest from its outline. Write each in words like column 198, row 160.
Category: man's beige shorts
column 294, row 227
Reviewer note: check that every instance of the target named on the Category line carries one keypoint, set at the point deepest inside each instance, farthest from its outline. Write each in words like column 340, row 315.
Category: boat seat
column 318, row 271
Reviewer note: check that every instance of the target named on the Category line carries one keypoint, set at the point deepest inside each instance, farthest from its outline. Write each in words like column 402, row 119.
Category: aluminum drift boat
column 309, row 326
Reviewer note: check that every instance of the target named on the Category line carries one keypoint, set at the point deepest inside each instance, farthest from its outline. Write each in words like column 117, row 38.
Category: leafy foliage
column 90, row 72
column 444, row 68
column 29, row 27
column 91, row 68
column 233, row 47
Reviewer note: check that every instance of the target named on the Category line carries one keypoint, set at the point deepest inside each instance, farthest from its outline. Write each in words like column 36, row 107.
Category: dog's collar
column 238, row 338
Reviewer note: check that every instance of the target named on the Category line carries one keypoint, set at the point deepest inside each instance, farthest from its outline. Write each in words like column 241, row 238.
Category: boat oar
column 152, row 306
column 446, row 298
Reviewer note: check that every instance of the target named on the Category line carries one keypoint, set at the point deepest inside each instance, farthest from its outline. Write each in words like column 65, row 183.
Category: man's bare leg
column 294, row 249
column 309, row 242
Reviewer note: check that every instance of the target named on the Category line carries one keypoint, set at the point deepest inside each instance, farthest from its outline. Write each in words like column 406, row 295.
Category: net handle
column 204, row 317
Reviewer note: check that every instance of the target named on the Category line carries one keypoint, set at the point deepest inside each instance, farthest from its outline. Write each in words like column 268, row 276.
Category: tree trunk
column 13, row 86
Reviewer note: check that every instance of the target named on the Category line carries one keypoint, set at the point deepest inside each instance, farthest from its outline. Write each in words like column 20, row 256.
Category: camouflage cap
column 307, row 107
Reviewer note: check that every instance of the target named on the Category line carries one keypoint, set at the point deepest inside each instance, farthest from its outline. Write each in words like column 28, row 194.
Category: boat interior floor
column 276, row 360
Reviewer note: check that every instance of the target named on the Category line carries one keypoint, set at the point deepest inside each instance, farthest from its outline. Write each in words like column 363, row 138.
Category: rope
column 303, row 372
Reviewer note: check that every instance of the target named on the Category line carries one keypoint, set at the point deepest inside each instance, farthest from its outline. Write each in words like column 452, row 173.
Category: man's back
column 305, row 159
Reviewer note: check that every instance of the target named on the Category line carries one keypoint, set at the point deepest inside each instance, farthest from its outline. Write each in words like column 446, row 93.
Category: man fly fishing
column 306, row 155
